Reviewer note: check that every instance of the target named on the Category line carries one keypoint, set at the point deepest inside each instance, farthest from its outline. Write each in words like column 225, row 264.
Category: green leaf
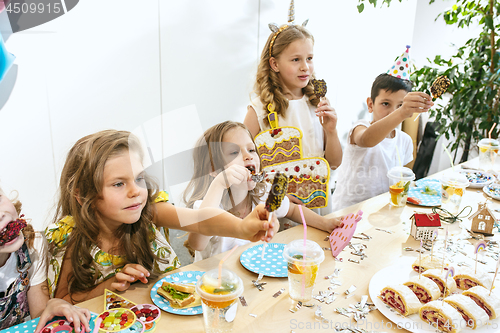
column 361, row 7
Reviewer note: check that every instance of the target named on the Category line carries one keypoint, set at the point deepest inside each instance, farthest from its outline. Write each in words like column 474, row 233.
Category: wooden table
column 272, row 314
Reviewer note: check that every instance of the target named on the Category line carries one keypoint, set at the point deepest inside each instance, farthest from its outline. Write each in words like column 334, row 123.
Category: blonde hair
column 208, row 157
column 268, row 85
column 80, row 188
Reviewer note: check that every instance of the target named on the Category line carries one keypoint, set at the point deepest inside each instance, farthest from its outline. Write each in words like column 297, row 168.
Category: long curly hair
column 208, row 158
column 268, row 85
column 80, row 188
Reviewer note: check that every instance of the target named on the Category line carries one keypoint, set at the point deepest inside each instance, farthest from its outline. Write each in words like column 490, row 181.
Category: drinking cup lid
column 295, row 250
column 488, row 143
column 402, row 173
column 230, row 288
column 455, row 179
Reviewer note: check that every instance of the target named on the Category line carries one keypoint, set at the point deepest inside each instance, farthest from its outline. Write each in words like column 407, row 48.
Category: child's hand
column 329, row 115
column 59, row 307
column 129, row 274
column 415, row 102
column 255, row 225
column 333, row 223
column 234, row 175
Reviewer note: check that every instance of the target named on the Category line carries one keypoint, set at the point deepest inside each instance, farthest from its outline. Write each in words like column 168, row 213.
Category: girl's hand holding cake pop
column 128, row 275
column 328, row 114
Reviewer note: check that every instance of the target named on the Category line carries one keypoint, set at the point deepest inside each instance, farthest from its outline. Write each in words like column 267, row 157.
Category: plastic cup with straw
column 399, row 178
column 453, row 186
column 219, row 290
column 488, row 150
column 304, row 250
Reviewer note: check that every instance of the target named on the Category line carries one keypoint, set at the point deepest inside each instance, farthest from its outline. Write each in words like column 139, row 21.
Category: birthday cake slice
column 279, row 145
column 307, row 179
column 113, row 301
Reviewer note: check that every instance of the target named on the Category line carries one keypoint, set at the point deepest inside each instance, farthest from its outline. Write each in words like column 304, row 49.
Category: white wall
column 169, row 70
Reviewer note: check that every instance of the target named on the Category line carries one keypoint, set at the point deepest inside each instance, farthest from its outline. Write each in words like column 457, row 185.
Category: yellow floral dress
column 106, row 264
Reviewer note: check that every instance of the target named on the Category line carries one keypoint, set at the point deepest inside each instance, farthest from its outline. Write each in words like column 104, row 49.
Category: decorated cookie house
column 483, row 220
column 423, row 225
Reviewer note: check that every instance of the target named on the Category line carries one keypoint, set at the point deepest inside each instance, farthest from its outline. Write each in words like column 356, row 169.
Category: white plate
column 478, row 178
column 399, row 274
column 492, row 190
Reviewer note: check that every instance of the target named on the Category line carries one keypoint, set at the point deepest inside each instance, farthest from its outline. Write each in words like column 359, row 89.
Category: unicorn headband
column 274, row 27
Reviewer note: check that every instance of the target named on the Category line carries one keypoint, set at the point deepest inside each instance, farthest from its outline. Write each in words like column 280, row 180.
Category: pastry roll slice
column 442, row 316
column 466, row 278
column 427, row 262
column 487, row 302
column 473, row 315
column 437, row 276
column 400, row 298
column 425, row 289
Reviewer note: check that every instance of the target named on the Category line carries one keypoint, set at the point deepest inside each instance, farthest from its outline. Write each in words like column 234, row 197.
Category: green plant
column 361, row 3
column 474, row 72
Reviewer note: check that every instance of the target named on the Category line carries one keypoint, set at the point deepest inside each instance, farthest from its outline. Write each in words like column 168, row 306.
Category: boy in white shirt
column 372, row 147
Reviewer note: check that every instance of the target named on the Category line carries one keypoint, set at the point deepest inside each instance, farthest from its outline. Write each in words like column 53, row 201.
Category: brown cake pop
column 439, row 86
column 319, row 88
column 277, row 192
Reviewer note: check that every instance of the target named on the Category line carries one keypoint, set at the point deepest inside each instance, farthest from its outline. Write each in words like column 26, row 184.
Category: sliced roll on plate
column 425, row 289
column 400, row 298
column 466, row 278
column 487, row 302
column 473, row 315
column 427, row 262
column 437, row 276
column 442, row 316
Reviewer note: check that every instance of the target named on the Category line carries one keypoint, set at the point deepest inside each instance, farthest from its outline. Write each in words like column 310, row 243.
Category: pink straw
column 222, row 262
column 304, row 248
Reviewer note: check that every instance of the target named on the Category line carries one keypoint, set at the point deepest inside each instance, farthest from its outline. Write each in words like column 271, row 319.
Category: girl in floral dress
column 105, row 233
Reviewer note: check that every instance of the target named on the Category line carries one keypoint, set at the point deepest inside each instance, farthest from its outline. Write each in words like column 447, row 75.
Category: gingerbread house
column 483, row 220
column 423, row 225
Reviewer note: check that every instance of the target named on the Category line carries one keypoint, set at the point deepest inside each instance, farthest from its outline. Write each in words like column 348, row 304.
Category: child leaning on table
column 107, row 220
column 222, row 159
column 23, row 275
column 373, row 147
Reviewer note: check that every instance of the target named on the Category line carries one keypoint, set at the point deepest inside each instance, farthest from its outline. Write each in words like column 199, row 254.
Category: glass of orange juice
column 453, row 186
column 302, row 271
column 488, row 151
column 399, row 184
column 219, row 300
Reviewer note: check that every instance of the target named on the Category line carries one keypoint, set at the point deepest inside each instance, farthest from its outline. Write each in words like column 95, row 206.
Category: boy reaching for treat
column 373, row 147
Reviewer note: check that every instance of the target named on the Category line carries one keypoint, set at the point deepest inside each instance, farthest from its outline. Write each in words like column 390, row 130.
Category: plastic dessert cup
column 488, row 151
column 219, row 303
column 399, row 180
column 453, row 186
column 302, row 271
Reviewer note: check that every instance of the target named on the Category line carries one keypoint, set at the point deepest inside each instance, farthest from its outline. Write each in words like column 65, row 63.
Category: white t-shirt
column 219, row 244
column 37, row 273
column 300, row 114
column 363, row 172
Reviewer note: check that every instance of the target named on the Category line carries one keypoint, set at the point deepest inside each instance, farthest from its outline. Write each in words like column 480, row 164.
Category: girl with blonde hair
column 225, row 158
column 105, row 231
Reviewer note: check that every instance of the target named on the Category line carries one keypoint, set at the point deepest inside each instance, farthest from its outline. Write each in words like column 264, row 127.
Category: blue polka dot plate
column 426, row 193
column 273, row 264
column 181, row 277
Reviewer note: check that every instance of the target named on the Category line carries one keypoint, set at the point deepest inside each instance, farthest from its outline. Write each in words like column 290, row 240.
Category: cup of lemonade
column 453, row 186
column 302, row 271
column 399, row 184
column 219, row 301
column 488, row 151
